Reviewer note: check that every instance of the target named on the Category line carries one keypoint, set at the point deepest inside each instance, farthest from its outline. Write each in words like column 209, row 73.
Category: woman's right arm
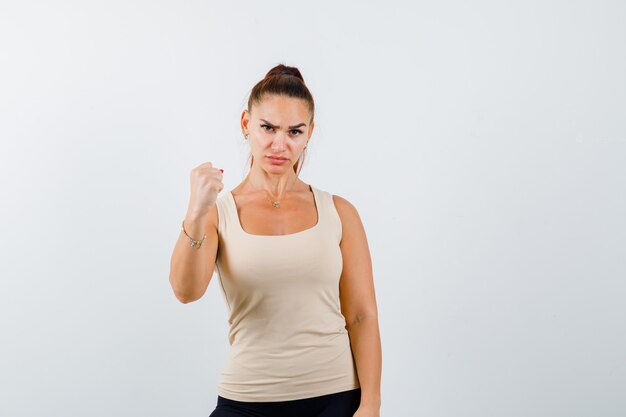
column 191, row 268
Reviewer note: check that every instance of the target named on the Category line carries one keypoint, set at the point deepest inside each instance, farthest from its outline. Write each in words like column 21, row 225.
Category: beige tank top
column 287, row 335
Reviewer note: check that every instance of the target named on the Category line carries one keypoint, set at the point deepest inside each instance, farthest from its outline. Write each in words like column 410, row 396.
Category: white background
column 483, row 144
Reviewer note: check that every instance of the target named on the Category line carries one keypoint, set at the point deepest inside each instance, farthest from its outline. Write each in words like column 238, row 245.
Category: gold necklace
column 276, row 204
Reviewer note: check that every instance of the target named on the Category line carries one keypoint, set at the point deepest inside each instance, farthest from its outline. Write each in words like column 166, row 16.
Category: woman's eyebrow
column 290, row 127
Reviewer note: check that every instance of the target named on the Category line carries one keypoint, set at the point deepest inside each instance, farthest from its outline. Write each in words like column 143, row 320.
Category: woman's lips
column 277, row 161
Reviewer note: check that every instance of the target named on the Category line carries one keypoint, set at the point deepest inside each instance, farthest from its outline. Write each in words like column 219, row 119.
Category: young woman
column 294, row 269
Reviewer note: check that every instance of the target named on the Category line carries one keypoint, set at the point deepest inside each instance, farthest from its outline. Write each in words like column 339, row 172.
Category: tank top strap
column 226, row 221
column 329, row 217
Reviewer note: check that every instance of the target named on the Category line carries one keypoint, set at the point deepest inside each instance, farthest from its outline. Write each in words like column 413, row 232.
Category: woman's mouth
column 277, row 160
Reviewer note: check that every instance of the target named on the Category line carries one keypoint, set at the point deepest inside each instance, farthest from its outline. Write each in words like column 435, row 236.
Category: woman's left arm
column 358, row 305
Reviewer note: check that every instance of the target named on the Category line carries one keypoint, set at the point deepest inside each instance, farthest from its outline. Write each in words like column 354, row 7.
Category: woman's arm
column 191, row 268
column 358, row 303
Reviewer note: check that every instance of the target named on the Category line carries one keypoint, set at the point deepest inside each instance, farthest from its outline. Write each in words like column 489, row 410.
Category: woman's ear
column 245, row 119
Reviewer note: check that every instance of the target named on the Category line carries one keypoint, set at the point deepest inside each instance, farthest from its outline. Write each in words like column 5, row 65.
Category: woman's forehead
column 287, row 110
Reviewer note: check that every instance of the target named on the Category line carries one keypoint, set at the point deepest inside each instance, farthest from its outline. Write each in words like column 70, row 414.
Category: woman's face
column 278, row 129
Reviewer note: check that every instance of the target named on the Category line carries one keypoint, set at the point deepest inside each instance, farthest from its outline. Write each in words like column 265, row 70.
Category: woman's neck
column 277, row 186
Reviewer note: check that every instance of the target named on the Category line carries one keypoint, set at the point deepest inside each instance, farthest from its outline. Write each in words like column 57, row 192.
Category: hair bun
column 284, row 70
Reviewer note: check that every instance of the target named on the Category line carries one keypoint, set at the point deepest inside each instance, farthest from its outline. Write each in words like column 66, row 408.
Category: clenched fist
column 206, row 183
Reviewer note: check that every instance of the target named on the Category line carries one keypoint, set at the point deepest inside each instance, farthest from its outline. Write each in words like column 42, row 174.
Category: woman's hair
column 286, row 81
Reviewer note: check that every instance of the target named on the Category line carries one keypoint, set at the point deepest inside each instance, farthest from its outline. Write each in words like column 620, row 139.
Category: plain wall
column 483, row 144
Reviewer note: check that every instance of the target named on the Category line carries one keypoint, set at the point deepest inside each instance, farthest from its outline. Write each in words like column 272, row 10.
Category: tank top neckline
column 301, row 232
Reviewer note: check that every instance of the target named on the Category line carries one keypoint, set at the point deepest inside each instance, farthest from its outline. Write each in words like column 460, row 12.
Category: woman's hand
column 364, row 411
column 206, row 183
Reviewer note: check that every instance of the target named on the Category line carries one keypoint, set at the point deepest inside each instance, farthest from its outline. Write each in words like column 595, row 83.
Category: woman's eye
column 271, row 128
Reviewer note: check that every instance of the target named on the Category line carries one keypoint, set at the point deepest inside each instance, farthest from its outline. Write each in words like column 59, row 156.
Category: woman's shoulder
column 344, row 207
column 349, row 220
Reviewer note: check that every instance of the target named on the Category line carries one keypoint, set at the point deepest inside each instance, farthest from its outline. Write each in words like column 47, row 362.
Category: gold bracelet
column 194, row 243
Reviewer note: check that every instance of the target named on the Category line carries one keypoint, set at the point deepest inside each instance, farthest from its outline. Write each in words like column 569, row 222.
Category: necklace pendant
column 276, row 204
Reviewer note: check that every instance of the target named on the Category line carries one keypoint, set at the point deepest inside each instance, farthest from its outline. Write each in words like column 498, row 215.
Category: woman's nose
column 279, row 143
